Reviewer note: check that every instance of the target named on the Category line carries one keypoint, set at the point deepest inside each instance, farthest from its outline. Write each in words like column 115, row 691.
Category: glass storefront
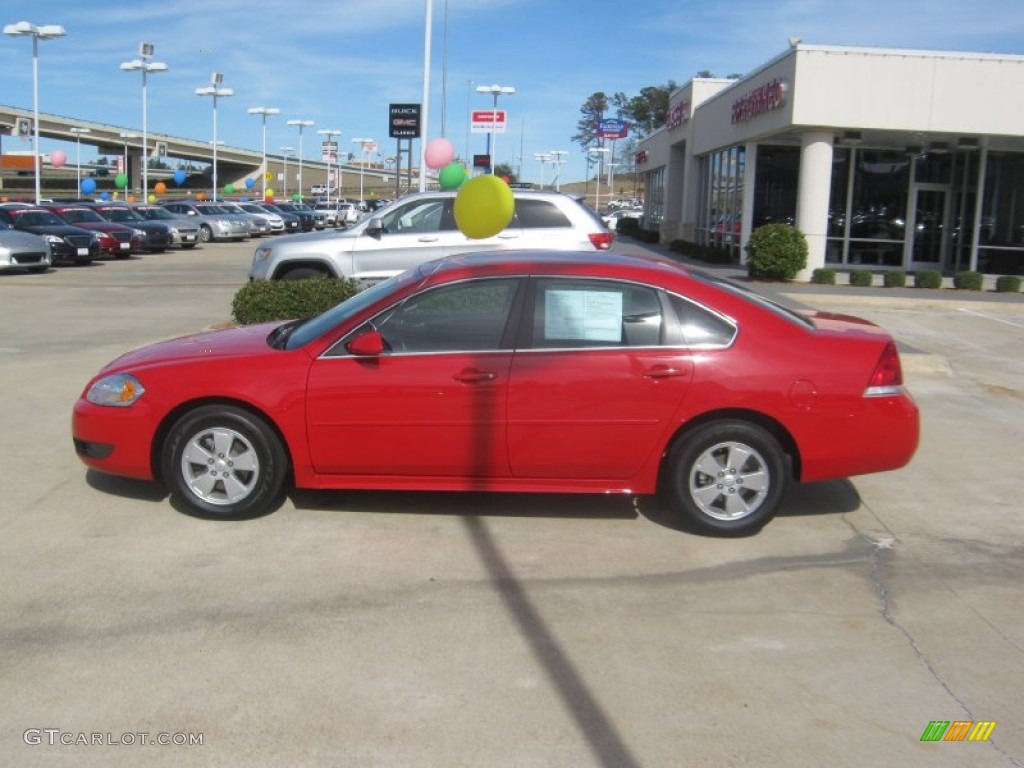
column 721, row 200
column 654, row 199
column 1001, row 236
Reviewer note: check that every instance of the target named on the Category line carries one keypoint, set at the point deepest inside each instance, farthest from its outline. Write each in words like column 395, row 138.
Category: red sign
column 765, row 98
column 488, row 121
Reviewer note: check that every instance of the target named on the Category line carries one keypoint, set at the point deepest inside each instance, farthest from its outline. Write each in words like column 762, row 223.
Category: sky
column 341, row 63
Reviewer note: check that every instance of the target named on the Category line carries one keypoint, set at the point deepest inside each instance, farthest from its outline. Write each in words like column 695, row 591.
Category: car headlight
column 140, row 232
column 53, row 239
column 262, row 254
column 119, row 389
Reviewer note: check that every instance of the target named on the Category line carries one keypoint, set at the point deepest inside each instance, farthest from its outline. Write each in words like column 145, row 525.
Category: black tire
column 188, row 246
column 205, row 233
column 38, row 270
column 247, row 463
column 303, row 273
column 727, row 477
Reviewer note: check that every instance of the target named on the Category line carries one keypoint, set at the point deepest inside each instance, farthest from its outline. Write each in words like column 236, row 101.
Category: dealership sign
column 612, row 128
column 765, row 98
column 488, row 121
column 404, row 121
column 678, row 115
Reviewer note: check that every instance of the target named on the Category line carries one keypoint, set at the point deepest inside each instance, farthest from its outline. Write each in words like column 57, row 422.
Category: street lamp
column 78, row 153
column 598, row 154
column 362, row 163
column 44, row 32
column 263, row 112
column 557, row 159
column 214, row 90
column 285, row 152
column 495, row 91
column 330, row 133
column 542, row 157
column 146, row 66
column 301, row 124
column 125, row 135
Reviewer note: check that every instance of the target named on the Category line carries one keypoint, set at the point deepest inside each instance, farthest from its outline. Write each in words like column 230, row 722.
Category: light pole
column 362, row 163
column 542, row 157
column 44, row 32
column 329, row 134
column 125, row 135
column 144, row 64
column 214, row 90
column 495, row 91
column 598, row 154
column 263, row 112
column 78, row 153
column 557, row 159
column 285, row 152
column 301, row 124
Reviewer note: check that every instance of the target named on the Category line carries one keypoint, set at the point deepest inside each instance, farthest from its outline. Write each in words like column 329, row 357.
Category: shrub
column 1008, row 284
column 968, row 281
column 928, row 278
column 894, row 278
column 823, row 277
column 777, row 252
column 264, row 300
column 862, row 277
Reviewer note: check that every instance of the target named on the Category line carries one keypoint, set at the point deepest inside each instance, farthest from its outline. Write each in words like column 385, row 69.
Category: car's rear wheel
column 205, row 233
column 727, row 477
column 303, row 273
column 222, row 461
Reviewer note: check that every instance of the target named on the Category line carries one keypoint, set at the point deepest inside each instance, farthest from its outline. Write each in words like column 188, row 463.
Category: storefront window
column 1001, row 239
column 778, row 175
column 721, row 204
column 654, row 198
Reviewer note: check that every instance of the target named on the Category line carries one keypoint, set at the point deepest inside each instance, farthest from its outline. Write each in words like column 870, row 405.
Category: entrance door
column 929, row 227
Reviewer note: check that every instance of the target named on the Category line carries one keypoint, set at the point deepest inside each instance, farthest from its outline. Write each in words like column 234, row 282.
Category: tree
column 591, row 114
column 647, row 111
column 504, row 169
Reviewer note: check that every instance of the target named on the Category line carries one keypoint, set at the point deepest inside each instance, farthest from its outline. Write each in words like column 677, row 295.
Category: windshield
column 302, row 334
column 39, row 219
column 75, row 215
column 156, row 213
column 210, row 210
column 121, row 214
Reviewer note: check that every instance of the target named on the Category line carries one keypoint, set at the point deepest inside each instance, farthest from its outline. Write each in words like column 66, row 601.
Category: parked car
column 22, row 250
column 321, row 189
column 214, row 223
column 275, row 223
column 307, row 219
column 183, row 230
column 513, row 371
column 259, row 226
column 349, row 214
column 292, row 223
column 115, row 240
column 154, row 236
column 327, row 214
column 611, row 220
column 68, row 244
column 420, row 227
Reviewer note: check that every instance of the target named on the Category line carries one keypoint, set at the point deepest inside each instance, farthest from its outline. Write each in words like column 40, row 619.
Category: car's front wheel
column 205, row 234
column 727, row 477
column 223, row 461
column 303, row 273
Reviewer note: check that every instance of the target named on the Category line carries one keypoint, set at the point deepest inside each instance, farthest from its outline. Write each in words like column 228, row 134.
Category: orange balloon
column 160, row 188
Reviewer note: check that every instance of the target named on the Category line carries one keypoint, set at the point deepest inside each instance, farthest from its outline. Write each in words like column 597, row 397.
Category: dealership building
column 883, row 158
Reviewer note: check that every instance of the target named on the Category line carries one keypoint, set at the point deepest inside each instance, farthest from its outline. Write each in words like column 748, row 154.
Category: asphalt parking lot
column 418, row 629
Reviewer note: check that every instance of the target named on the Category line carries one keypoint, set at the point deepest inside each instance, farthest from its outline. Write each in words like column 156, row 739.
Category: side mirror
column 374, row 228
column 370, row 344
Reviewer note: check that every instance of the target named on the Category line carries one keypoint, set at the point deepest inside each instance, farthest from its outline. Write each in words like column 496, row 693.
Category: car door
column 600, row 371
column 433, row 404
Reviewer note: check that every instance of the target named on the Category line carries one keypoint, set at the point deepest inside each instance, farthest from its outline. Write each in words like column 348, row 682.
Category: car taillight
column 887, row 378
column 602, row 240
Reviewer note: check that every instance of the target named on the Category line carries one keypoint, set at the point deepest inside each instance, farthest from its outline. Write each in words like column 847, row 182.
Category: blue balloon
column 179, row 177
column 104, row 195
column 250, row 183
column 88, row 186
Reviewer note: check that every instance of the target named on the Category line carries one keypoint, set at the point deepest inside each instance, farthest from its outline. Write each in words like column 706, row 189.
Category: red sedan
column 553, row 372
column 116, row 240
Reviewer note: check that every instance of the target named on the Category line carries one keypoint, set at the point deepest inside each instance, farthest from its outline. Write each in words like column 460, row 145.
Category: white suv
column 421, row 227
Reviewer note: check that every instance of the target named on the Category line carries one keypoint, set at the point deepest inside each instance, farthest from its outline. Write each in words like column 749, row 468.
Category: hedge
column 262, row 301
column 823, row 276
column 928, row 278
column 968, row 281
column 1008, row 284
column 862, row 277
column 894, row 278
column 777, row 252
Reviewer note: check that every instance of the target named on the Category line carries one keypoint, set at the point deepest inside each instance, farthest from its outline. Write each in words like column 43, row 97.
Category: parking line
column 987, row 317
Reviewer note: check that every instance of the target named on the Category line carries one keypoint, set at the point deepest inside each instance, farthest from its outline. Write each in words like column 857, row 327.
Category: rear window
column 540, row 214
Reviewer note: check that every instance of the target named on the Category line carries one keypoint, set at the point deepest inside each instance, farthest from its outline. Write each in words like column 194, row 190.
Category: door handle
column 472, row 376
column 664, row 372
column 426, row 240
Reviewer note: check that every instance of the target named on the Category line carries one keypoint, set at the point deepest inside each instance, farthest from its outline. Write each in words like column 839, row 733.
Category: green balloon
column 121, row 181
column 296, row 197
column 229, row 189
column 451, row 176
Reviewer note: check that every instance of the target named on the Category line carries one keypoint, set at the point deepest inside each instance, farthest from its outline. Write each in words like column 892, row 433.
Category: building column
column 675, row 184
column 749, row 193
column 813, row 191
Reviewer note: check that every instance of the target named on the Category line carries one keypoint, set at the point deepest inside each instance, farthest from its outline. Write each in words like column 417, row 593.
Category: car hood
column 313, row 237
column 206, row 345
column 12, row 238
column 56, row 229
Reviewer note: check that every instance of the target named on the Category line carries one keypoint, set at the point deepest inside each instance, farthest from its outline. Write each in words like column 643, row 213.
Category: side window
column 430, row 215
column 540, row 214
column 464, row 317
column 596, row 313
column 700, row 326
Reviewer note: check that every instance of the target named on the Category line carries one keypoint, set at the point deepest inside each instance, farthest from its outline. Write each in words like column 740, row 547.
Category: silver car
column 184, row 231
column 258, row 225
column 274, row 220
column 22, row 250
column 214, row 223
column 421, row 227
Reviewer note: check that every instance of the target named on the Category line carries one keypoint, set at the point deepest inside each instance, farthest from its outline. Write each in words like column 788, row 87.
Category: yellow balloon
column 484, row 206
column 152, row 198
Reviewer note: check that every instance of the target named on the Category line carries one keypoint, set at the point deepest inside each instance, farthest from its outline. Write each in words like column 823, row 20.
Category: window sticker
column 583, row 315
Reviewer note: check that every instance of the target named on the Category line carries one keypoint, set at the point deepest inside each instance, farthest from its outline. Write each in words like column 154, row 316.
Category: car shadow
column 139, row 490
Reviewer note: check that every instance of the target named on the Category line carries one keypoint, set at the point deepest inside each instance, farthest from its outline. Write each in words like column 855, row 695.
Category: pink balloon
column 58, row 158
column 439, row 153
